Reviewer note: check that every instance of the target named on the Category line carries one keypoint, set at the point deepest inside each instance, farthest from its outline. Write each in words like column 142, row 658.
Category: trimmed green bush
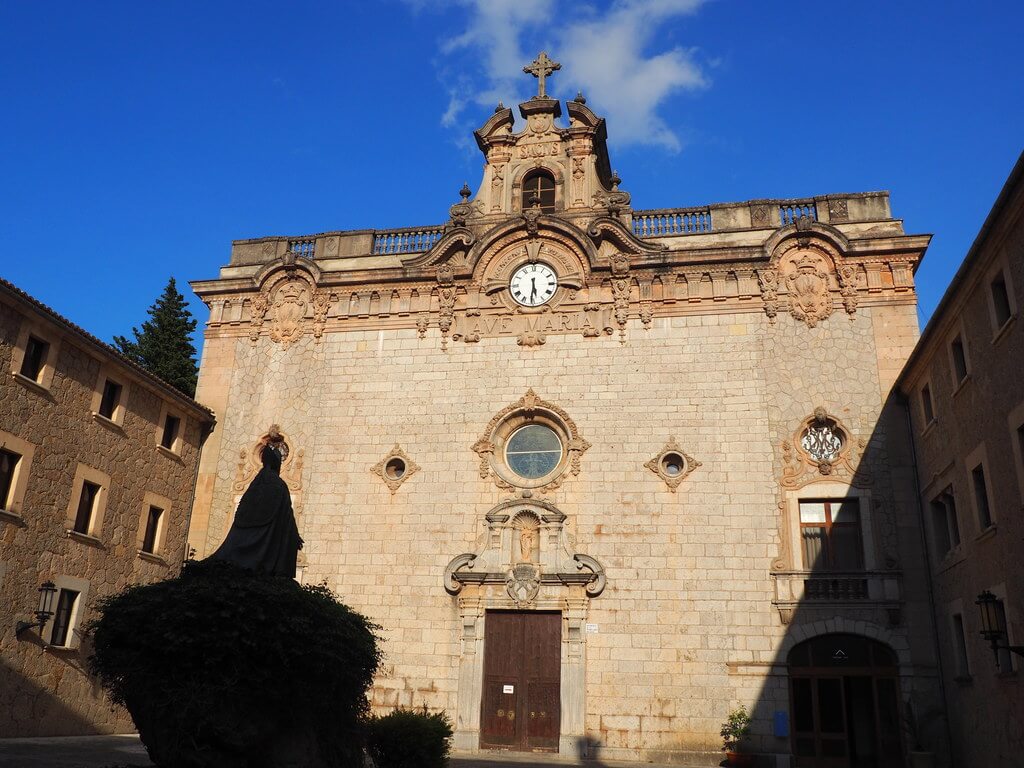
column 408, row 738
column 225, row 668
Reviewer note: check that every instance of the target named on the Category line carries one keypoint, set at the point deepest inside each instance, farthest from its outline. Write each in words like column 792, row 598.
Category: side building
column 964, row 384
column 97, row 466
column 601, row 474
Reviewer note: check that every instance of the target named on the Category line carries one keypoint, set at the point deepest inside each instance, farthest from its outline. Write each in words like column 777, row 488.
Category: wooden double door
column 844, row 698
column 521, row 702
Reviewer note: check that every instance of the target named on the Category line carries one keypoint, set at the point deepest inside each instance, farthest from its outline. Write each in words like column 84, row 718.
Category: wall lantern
column 993, row 624
column 47, row 592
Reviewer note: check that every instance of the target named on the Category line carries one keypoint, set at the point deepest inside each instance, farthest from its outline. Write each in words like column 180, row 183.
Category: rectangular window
column 927, row 407
column 981, row 497
column 86, row 506
column 940, row 529
column 171, row 426
column 830, row 532
column 1000, row 300
column 8, row 466
column 959, row 359
column 945, row 525
column 111, row 398
column 152, row 529
column 963, row 668
column 62, row 617
column 34, row 359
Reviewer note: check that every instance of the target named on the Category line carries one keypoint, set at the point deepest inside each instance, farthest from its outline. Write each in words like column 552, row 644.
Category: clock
column 533, row 284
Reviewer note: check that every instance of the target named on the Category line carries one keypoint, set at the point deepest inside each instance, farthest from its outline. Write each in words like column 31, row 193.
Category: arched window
column 539, row 187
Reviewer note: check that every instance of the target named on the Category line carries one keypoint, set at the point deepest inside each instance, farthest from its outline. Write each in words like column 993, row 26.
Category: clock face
column 533, row 284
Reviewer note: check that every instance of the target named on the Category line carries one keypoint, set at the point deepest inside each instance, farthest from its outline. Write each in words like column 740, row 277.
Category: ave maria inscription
column 530, row 329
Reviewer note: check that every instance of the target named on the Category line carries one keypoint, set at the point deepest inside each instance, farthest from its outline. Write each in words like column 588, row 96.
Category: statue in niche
column 527, row 543
column 263, row 536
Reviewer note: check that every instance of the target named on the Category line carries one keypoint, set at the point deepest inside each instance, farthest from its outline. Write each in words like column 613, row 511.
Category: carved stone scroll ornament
column 578, row 173
column 395, row 468
column 446, row 294
column 807, row 283
column 768, row 279
column 646, row 314
column 848, row 288
column 672, row 464
column 621, row 284
column 822, row 447
column 613, row 200
column 523, row 584
column 258, row 306
column 806, row 269
column 463, row 209
column 322, row 301
column 529, row 409
column 288, row 311
column 528, row 555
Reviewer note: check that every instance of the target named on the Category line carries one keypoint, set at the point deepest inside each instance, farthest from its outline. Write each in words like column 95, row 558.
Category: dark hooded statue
column 264, row 537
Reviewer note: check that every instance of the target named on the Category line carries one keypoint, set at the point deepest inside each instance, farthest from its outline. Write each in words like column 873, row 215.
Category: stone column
column 574, row 683
column 471, row 671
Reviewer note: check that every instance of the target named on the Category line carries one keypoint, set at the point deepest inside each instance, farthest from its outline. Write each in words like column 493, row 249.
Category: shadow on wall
column 589, row 749
column 857, row 656
column 37, row 705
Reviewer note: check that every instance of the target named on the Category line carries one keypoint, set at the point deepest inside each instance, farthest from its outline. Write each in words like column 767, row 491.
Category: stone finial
column 500, row 107
column 580, row 98
column 616, row 180
column 542, row 67
column 465, row 192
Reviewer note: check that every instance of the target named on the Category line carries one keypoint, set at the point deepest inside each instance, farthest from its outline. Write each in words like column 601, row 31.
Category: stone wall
column 46, row 690
column 686, row 627
column 977, row 421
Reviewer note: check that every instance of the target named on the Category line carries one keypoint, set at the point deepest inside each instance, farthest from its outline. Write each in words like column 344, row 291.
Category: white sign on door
column 508, row 689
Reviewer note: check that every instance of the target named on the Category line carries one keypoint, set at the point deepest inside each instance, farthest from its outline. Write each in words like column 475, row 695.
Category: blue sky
column 139, row 138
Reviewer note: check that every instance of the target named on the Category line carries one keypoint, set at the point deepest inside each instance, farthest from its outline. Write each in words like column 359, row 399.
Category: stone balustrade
column 671, row 221
column 664, row 224
column 305, row 247
column 836, row 586
column 408, row 240
column 790, row 211
column 802, row 590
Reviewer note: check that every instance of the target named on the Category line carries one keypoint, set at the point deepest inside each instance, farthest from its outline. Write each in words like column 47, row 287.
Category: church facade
column 602, row 475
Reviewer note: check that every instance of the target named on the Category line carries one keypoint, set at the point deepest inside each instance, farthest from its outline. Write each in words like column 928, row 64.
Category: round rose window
column 533, row 451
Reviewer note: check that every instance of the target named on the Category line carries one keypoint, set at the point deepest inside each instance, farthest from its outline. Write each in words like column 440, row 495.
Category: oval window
column 533, row 451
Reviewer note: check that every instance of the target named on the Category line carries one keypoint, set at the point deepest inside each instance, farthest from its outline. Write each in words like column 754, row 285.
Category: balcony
column 816, row 589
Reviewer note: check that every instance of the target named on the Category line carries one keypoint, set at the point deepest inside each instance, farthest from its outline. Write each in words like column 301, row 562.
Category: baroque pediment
column 525, row 551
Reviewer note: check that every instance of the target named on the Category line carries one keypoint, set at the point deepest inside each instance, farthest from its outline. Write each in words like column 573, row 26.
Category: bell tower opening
column 539, row 189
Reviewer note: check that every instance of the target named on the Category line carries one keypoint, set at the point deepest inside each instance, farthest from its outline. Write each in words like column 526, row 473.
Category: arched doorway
column 844, row 700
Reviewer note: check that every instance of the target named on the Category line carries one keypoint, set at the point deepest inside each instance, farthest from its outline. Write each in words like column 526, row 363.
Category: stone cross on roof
column 540, row 68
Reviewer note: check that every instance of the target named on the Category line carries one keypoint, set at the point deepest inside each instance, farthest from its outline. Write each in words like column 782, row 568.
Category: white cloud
column 612, row 54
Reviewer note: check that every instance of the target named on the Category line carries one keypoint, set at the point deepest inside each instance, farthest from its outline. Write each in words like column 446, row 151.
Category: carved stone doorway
column 522, row 681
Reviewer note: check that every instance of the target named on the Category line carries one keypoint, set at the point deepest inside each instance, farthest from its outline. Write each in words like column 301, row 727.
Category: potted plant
column 734, row 730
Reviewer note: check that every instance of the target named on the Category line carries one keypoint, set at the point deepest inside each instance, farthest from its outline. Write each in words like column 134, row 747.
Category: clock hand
column 533, row 282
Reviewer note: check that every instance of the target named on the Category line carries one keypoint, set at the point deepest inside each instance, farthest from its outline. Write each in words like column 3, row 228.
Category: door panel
column 520, row 707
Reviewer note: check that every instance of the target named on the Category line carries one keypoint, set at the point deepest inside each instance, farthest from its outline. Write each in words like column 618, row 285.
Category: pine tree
column 164, row 346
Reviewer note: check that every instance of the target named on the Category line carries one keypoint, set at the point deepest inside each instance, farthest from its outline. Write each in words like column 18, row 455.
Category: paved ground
column 127, row 751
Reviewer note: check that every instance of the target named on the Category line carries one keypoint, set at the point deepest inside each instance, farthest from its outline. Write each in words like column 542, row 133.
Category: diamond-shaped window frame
column 672, row 481
column 380, row 468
